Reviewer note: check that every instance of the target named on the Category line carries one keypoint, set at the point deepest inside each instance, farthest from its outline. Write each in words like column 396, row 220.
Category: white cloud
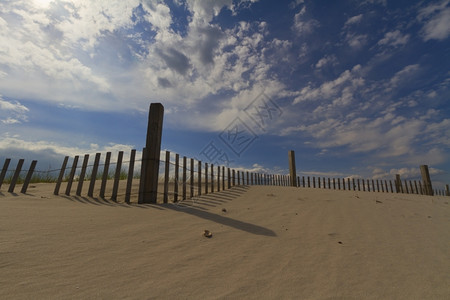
column 436, row 18
column 408, row 140
column 394, row 39
column 327, row 59
column 12, row 113
column 353, row 20
column 92, row 19
column 356, row 41
column 36, row 53
column 158, row 15
column 330, row 89
column 50, row 152
column 404, row 75
column 295, row 3
column 203, row 10
column 303, row 24
column 330, row 174
column 405, row 173
column 67, row 59
column 381, row 2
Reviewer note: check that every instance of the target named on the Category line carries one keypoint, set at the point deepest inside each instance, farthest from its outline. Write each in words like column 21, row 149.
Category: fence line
column 196, row 178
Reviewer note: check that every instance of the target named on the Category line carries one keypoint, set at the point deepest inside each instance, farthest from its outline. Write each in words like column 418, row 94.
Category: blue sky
column 356, row 88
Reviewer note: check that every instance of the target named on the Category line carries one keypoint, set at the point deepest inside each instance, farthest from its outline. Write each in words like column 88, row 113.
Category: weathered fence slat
column 28, row 177
column 212, row 178
column 166, row 178
column 117, row 176
column 206, row 178
column 177, row 175
column 72, row 175
column 130, row 176
column 16, row 175
column 105, row 174
column 223, row 177
column 218, row 179
column 61, row 176
column 192, row 178
column 4, row 170
column 184, row 177
column 199, row 177
column 82, row 174
column 94, row 175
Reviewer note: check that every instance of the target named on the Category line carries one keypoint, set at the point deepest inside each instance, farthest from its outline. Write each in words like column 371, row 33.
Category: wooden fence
column 182, row 178
column 16, row 175
column 196, row 178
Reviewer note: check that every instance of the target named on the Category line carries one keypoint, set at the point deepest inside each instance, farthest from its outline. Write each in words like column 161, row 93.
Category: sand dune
column 268, row 243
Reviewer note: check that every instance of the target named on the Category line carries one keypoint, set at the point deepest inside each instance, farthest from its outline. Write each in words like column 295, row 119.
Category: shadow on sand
column 106, row 202
column 199, row 207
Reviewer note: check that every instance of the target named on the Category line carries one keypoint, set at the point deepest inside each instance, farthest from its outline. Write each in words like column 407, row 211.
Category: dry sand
column 268, row 243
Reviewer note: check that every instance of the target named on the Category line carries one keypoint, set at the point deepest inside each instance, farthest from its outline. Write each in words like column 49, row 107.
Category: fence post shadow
column 200, row 212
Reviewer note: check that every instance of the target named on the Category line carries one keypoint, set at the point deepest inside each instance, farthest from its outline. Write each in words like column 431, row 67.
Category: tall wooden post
column 292, row 169
column 447, row 191
column 153, row 148
column 426, row 180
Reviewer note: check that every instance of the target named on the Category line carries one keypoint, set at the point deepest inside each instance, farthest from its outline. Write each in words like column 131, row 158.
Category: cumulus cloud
column 203, row 11
column 175, row 60
column 303, row 24
column 63, row 52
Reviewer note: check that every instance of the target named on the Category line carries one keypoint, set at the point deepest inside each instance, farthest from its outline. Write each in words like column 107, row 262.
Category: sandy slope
column 270, row 243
